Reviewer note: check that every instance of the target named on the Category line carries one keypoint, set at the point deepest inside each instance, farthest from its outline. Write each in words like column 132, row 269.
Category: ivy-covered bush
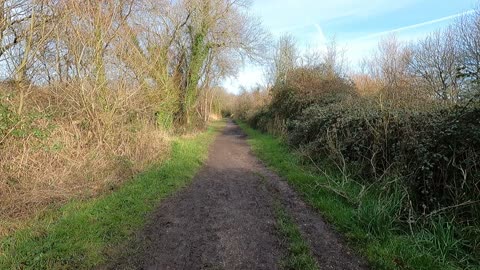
column 303, row 87
column 425, row 153
column 434, row 151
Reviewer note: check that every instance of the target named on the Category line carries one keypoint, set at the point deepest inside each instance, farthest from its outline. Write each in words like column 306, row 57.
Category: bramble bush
column 435, row 151
column 430, row 149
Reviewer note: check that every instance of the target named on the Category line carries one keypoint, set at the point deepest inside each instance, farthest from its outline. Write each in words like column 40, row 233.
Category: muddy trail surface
column 226, row 219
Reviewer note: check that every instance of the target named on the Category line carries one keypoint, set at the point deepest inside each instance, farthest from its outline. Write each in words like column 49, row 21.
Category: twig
column 451, row 207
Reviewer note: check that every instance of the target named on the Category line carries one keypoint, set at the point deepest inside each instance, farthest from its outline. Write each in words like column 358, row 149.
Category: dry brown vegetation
column 62, row 149
column 92, row 90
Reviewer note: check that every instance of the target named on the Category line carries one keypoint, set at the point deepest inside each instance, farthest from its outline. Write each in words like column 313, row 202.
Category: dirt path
column 225, row 219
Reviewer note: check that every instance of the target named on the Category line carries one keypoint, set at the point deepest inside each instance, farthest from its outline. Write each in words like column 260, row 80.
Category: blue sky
column 357, row 25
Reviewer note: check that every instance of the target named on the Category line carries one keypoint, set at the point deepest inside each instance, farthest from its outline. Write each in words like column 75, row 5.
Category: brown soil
column 225, row 219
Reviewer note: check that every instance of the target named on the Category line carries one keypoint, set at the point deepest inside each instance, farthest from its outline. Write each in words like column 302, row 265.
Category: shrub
column 432, row 153
column 304, row 87
column 435, row 151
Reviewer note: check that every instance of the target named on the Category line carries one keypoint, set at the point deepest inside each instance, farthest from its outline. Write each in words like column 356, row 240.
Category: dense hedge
column 432, row 151
column 436, row 152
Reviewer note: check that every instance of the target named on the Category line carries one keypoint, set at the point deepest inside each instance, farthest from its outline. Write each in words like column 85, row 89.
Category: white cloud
column 320, row 40
column 418, row 25
column 358, row 49
column 290, row 15
column 249, row 77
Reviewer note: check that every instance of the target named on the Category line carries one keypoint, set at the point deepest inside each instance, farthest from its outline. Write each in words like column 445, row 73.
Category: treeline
column 405, row 130
column 90, row 90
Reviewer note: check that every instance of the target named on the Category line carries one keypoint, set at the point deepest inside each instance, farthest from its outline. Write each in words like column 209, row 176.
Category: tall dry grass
column 72, row 144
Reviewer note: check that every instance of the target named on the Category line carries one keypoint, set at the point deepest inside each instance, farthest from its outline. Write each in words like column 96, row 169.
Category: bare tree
column 468, row 31
column 334, row 60
column 14, row 15
column 284, row 59
column 213, row 26
column 389, row 65
column 435, row 61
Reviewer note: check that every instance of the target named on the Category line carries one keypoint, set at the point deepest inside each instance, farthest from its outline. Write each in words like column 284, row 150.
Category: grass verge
column 79, row 234
column 367, row 226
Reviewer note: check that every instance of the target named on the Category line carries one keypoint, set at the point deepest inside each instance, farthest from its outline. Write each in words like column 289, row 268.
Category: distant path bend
column 225, row 219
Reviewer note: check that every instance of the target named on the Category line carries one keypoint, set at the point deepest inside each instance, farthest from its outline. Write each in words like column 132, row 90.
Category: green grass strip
column 299, row 255
column 80, row 234
column 386, row 249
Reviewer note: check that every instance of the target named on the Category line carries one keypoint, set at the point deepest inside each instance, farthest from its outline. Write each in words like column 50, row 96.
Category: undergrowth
column 58, row 149
column 81, row 234
column 368, row 217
